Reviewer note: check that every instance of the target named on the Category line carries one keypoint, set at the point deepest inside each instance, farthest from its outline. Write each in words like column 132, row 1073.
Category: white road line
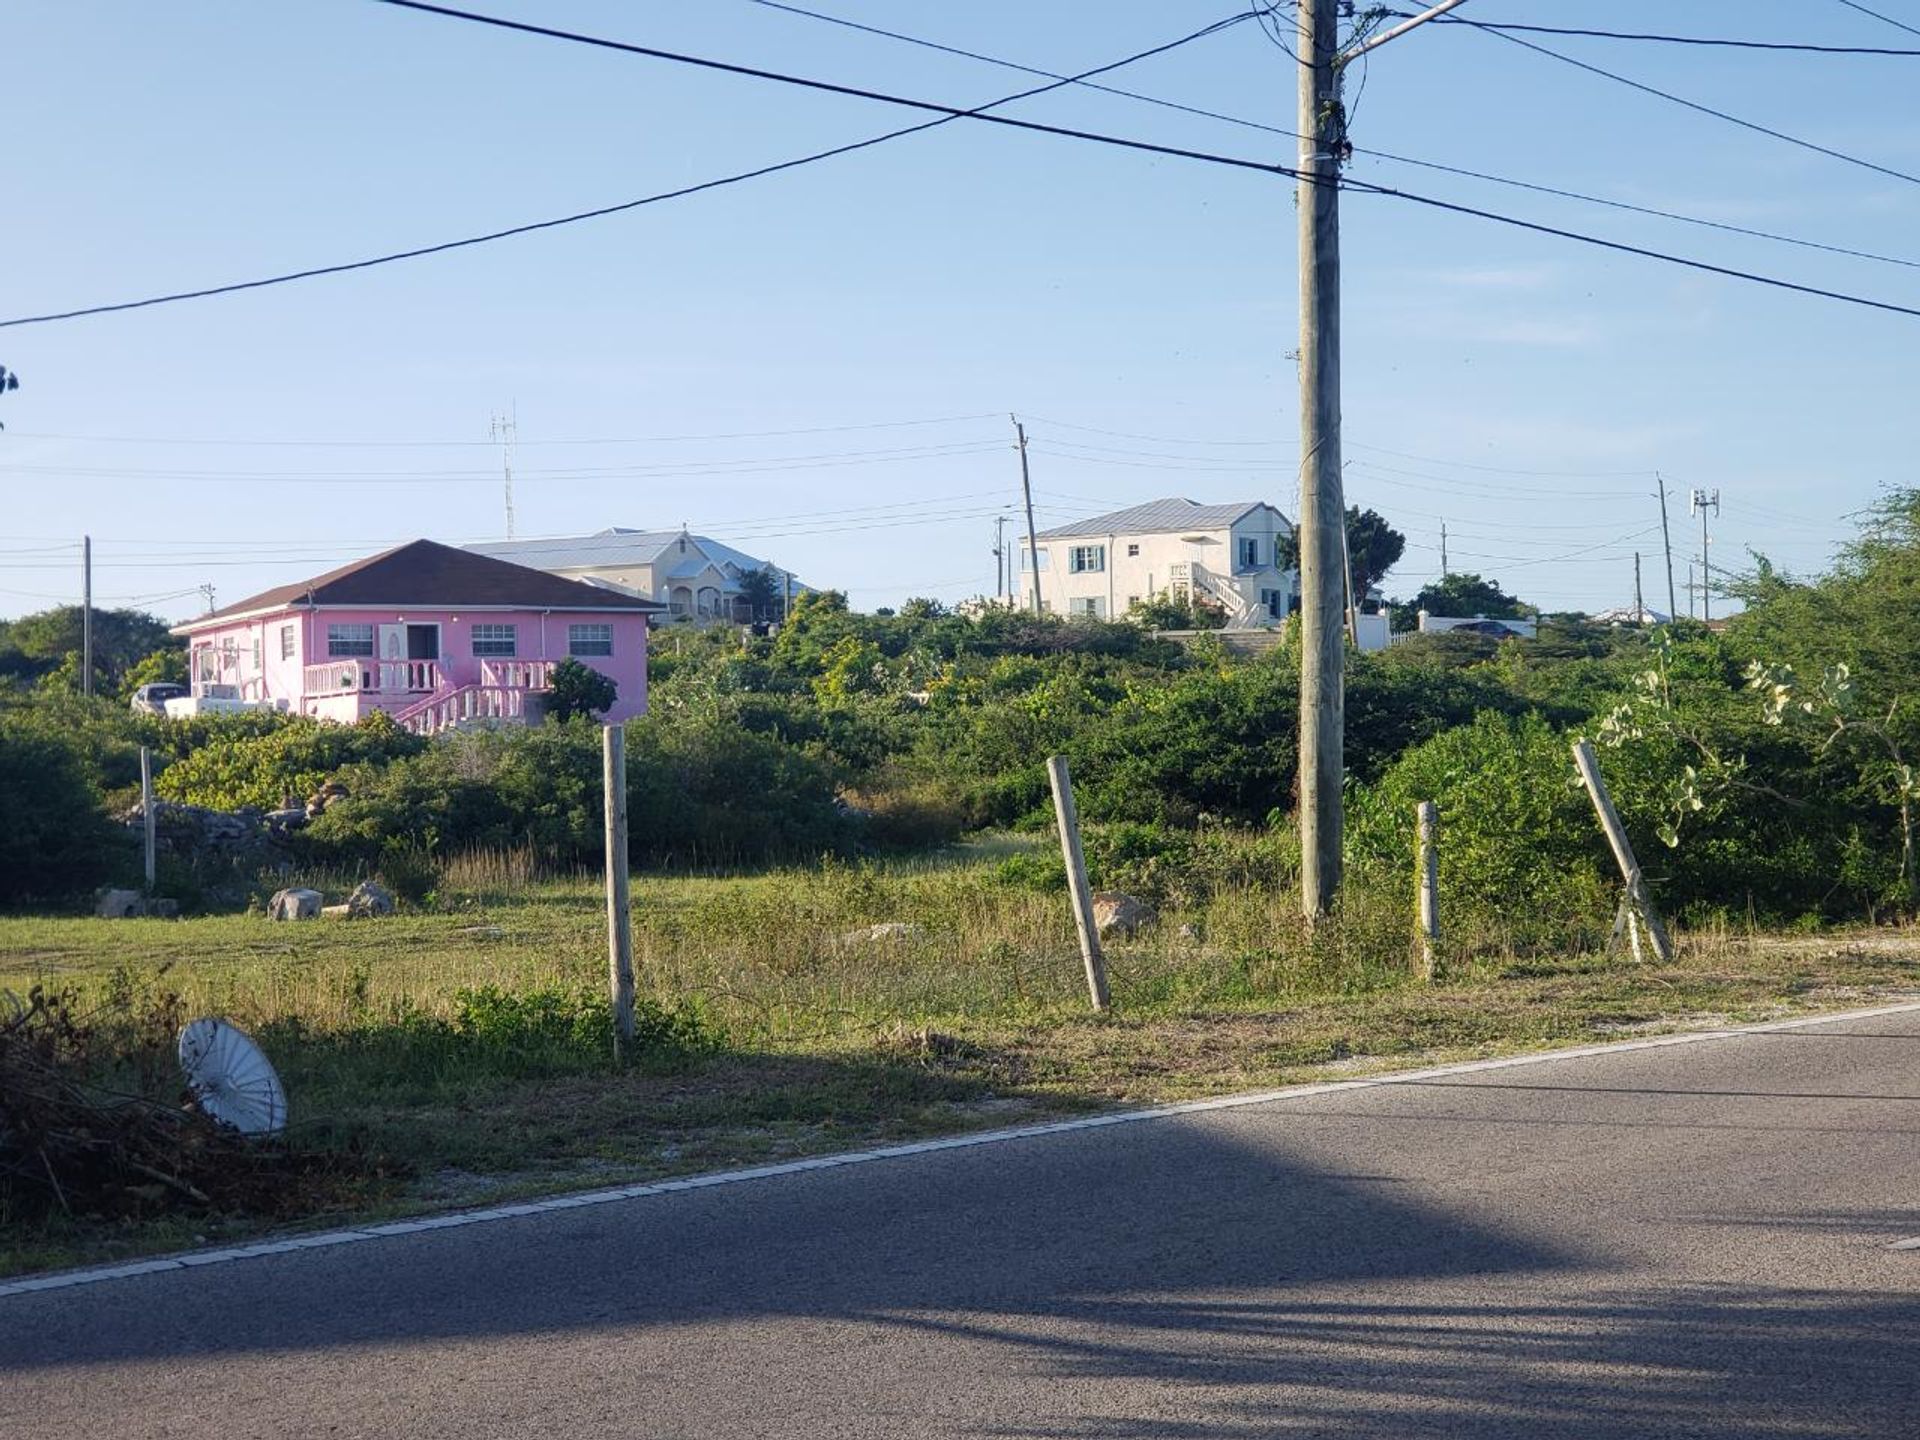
column 457, row 1219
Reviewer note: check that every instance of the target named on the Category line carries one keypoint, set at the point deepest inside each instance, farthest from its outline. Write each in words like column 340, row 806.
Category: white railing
column 384, row 677
column 335, row 677
column 467, row 704
column 517, row 674
column 408, row 677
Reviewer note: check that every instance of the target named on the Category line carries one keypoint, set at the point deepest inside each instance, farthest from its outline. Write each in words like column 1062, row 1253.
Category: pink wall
column 539, row 635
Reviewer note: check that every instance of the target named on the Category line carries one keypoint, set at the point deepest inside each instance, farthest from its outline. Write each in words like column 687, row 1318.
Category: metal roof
column 427, row 573
column 613, row 546
column 1160, row 517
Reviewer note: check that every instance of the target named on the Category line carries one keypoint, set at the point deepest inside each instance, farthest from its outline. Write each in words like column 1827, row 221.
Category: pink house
column 433, row 635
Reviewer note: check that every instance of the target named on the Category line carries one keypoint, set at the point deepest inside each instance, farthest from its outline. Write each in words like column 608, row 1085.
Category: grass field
column 797, row 1034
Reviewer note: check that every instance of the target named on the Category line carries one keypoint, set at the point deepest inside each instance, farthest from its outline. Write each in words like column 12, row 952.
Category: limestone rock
column 369, row 898
column 120, row 905
column 888, row 932
column 1117, row 913
column 336, row 912
column 294, row 905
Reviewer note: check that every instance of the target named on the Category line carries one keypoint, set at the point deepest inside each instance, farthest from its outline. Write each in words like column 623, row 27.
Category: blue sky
column 1138, row 312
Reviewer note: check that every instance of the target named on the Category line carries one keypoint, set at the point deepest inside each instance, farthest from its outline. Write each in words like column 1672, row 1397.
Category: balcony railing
column 516, row 674
column 385, row 677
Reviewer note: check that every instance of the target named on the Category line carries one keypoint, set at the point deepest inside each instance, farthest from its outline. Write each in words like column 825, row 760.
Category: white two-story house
column 1226, row 555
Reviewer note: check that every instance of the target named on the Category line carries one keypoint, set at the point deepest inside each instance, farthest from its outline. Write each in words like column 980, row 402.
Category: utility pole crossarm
column 1412, row 22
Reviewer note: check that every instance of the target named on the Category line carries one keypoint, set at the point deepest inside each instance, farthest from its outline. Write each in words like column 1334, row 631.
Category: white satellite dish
column 231, row 1079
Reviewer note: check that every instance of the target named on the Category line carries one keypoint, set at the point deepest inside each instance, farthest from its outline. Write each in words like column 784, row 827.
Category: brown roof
column 425, row 573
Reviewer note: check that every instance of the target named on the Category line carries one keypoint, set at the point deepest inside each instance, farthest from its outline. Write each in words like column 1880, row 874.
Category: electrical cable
column 1704, row 40
column 1666, row 95
column 950, row 112
column 947, row 114
column 1387, row 155
column 1897, row 24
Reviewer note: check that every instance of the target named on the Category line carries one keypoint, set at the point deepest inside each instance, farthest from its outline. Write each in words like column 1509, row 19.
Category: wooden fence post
column 1427, row 862
column 1082, row 893
column 619, row 917
column 147, row 818
column 1637, row 897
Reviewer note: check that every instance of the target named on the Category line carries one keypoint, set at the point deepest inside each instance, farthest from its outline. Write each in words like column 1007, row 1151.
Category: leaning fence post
column 147, row 817
column 1637, row 896
column 1069, row 818
column 619, row 927
column 1427, row 862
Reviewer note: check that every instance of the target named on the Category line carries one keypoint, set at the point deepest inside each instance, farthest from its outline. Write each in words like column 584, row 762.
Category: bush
column 281, row 765
column 55, row 840
column 575, row 689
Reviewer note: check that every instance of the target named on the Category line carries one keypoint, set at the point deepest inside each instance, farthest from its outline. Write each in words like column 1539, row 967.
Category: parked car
column 152, row 699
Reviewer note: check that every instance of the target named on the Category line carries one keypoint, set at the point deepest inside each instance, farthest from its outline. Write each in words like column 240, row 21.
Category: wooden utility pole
column 1637, row 896
column 1322, row 130
column 1321, row 124
column 1026, row 488
column 1666, row 540
column 1639, row 604
column 1427, row 867
column 619, row 908
column 1068, row 816
column 147, row 817
column 86, row 615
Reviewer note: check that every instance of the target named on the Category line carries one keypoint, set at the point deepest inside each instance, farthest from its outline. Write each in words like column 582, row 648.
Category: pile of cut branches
column 96, row 1123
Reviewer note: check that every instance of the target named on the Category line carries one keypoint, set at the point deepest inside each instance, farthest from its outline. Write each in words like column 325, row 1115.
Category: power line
column 1666, row 95
column 754, row 72
column 1386, row 155
column 488, row 444
column 1706, row 40
column 950, row 112
column 946, row 115
column 1897, row 24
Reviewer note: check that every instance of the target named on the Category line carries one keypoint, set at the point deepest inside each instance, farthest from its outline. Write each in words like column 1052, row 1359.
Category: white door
column 393, row 657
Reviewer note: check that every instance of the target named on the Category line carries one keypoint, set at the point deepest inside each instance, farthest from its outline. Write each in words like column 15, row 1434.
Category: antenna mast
column 502, row 432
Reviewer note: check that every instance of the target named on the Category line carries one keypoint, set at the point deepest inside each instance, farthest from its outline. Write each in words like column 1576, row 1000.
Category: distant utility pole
column 1322, row 127
column 502, row 433
column 207, row 590
column 1443, row 549
column 1666, row 540
column 1639, row 604
column 86, row 615
column 1000, row 560
column 1700, row 501
column 1026, row 488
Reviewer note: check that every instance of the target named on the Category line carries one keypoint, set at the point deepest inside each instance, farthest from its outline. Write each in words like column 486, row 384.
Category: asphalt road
column 1688, row 1241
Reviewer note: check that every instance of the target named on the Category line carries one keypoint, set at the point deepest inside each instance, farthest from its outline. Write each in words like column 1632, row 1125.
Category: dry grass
column 976, row 1017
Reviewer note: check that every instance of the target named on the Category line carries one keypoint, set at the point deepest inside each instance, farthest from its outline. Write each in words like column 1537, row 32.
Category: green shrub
column 55, row 840
column 282, row 764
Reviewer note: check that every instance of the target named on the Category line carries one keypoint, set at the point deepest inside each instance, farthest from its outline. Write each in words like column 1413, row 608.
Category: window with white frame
column 590, row 639
column 495, row 640
column 1249, row 553
column 1026, row 558
column 1273, row 602
column 347, row 641
column 1091, row 607
column 259, row 657
column 1085, row 559
column 286, row 642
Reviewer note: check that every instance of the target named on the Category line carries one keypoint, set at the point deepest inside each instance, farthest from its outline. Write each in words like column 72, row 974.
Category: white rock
column 294, row 905
column 1116, row 913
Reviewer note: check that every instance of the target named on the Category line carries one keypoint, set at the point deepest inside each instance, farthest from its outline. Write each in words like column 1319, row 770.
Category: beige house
column 696, row 577
column 1227, row 555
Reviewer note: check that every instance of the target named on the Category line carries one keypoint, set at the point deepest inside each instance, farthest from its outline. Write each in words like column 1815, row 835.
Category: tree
column 575, row 689
column 121, row 639
column 921, row 607
column 1468, row 595
column 8, row 381
column 1373, row 547
column 763, row 593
